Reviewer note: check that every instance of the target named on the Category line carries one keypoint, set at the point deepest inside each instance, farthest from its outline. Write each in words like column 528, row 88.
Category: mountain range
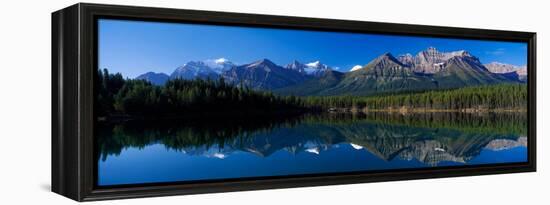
column 430, row 60
column 507, row 69
column 263, row 74
column 315, row 68
column 429, row 69
column 202, row 69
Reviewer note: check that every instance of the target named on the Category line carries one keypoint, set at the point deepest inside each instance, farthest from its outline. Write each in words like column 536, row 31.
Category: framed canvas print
column 153, row 102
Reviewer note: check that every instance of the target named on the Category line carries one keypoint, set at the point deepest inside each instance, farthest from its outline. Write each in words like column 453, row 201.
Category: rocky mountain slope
column 263, row 74
column 315, row 68
column 430, row 60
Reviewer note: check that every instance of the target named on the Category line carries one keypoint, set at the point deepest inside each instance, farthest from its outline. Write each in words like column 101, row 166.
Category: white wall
column 25, row 102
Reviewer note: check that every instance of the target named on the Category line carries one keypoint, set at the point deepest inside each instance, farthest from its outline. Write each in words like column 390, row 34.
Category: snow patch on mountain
column 219, row 65
column 221, row 60
column 315, row 67
column 357, row 147
column 356, row 67
column 313, row 150
column 430, row 60
column 313, row 64
column 192, row 70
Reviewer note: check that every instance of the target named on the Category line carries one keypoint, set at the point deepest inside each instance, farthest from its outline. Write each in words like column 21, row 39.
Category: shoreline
column 402, row 110
column 405, row 110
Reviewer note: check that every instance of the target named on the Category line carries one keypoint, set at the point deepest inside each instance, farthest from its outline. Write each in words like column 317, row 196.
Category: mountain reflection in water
column 200, row 149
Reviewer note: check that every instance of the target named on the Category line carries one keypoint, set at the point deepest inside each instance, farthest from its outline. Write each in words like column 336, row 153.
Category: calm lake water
column 215, row 148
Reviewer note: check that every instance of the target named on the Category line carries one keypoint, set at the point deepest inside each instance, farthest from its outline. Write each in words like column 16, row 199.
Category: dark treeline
column 501, row 96
column 106, row 87
column 118, row 96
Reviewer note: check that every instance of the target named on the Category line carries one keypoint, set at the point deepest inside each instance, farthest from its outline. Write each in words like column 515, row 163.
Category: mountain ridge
column 508, row 70
column 315, row 68
column 382, row 74
column 262, row 74
column 429, row 69
column 430, row 60
column 192, row 70
column 388, row 74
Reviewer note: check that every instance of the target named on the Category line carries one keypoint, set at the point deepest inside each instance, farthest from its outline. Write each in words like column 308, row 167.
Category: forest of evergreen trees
column 117, row 96
column 490, row 97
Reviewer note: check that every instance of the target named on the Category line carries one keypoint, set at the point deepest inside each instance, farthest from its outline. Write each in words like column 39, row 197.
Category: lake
column 136, row 152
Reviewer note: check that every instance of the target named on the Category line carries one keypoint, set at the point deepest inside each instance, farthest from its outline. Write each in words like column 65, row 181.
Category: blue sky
column 135, row 47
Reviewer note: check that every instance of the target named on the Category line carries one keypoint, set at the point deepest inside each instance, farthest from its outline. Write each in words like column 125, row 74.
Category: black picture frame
column 74, row 63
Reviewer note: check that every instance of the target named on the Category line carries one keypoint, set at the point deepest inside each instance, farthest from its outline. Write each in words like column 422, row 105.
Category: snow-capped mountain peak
column 313, row 68
column 219, row 65
column 297, row 66
column 221, row 60
column 356, row 67
column 313, row 64
column 317, row 65
column 431, row 60
column 194, row 69
column 457, row 53
column 195, row 66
